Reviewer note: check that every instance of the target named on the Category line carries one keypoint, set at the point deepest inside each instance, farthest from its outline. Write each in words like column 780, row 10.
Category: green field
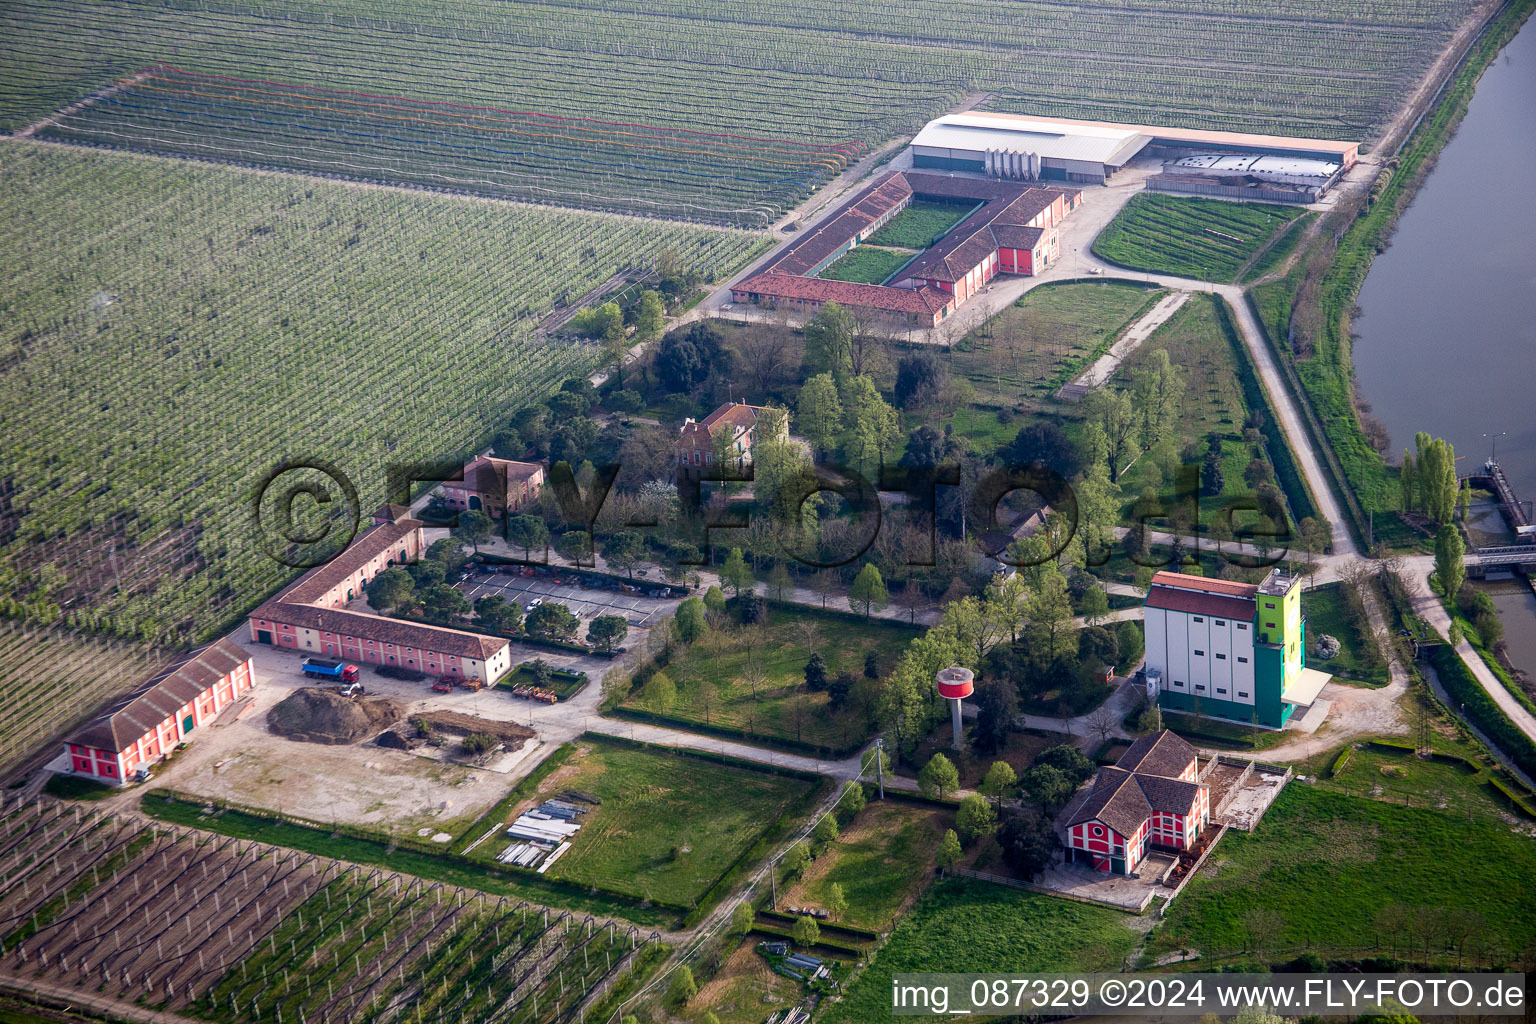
column 1023, row 354
column 882, row 858
column 714, row 677
column 669, row 826
column 1327, row 612
column 961, row 926
column 866, row 264
column 52, row 679
column 920, row 225
column 172, row 331
column 1326, row 864
column 1206, row 239
column 716, row 120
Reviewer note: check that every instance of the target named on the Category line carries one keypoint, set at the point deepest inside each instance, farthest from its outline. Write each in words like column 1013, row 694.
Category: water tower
column 956, row 684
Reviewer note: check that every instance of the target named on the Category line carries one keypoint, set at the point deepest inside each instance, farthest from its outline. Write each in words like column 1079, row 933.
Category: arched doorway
column 474, row 503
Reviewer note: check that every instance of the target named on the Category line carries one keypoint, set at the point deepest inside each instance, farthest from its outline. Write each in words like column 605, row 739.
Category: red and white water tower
column 956, row 684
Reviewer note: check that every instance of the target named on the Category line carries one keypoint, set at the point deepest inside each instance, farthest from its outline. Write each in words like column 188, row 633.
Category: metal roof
column 1052, row 140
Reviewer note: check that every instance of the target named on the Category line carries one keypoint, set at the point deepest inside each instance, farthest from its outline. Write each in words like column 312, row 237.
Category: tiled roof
column 977, row 237
column 319, row 581
column 1173, row 796
column 1115, row 800
column 160, row 698
column 487, row 475
column 401, row 632
column 871, row 296
column 855, row 216
column 1227, row 588
column 1200, row 604
column 1164, row 753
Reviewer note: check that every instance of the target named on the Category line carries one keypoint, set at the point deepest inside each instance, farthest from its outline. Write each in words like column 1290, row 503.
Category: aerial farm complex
column 599, row 517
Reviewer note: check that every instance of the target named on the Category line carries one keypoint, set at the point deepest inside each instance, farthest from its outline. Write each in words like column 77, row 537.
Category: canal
column 1447, row 333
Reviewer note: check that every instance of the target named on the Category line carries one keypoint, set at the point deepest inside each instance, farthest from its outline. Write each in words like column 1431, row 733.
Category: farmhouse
column 1151, row 797
column 736, row 424
column 1229, row 650
column 1009, row 229
column 1021, row 147
column 311, row 614
column 494, row 486
column 147, row 725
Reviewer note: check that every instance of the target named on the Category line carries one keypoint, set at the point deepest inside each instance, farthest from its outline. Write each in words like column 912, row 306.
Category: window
column 1221, row 622
column 1269, row 605
column 1242, row 625
column 1200, row 687
column 1221, row 657
column 1242, row 693
column 1199, row 654
column 1221, row 689
column 1242, row 660
column 1269, row 625
column 1199, row 618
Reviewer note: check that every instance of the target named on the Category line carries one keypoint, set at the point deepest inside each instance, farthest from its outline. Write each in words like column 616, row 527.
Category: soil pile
column 324, row 716
column 452, row 722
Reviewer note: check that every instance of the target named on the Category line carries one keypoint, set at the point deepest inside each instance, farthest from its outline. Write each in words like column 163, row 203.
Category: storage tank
column 956, row 684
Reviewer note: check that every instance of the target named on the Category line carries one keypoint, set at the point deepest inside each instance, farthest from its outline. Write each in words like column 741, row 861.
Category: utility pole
column 880, row 764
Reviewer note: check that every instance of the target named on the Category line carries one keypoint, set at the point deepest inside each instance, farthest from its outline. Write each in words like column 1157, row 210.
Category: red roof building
column 147, row 725
column 494, row 486
column 311, row 614
column 736, row 423
column 1011, row 230
column 1151, row 797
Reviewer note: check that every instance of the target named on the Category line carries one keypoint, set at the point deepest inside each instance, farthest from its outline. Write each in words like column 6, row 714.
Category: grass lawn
column 1021, row 751
column 920, row 225
column 1401, row 778
column 560, row 683
column 1327, row 612
column 1019, row 357
column 714, row 686
column 75, row 787
column 866, row 264
column 669, row 826
column 1206, row 239
column 960, row 926
column 882, row 859
column 1327, row 863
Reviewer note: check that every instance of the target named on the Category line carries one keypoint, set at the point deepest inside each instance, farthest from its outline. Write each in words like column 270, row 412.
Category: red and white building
column 494, row 486
column 146, row 726
column 736, row 424
column 1151, row 797
column 311, row 615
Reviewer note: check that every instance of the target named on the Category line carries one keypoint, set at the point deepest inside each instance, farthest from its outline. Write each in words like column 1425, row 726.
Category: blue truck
column 321, row 668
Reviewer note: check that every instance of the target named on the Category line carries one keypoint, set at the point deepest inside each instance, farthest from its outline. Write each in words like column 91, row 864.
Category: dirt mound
column 323, row 716
column 510, row 733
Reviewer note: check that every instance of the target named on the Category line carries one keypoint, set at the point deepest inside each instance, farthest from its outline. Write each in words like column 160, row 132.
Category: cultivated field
column 1206, row 239
column 173, row 331
column 755, row 684
column 669, row 825
column 961, row 925
column 713, row 119
column 239, row 931
column 52, row 678
column 1326, row 865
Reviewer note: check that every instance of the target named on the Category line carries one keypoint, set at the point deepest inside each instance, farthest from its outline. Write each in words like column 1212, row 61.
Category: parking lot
column 585, row 602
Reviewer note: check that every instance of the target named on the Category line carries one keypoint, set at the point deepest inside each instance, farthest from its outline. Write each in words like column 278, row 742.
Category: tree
column 819, row 411
column 1450, row 560
column 805, row 931
column 625, row 550
column 949, row 851
column 938, row 777
column 742, row 918
column 853, row 800
column 449, row 551
column 607, row 631
column 1113, row 412
column 997, row 709
column 825, row 830
column 735, row 573
column 1095, row 605
column 1212, row 479
column 1047, row 785
column 920, row 377
column 683, row 987
column 1028, row 841
column 1132, row 644
column 1264, row 926
column 475, row 528
column 427, row 573
column 1435, row 477
column 649, row 317
column 552, row 620
column 478, row 744
column 714, row 601
column 829, row 339
column 836, row 901
column 795, row 858
column 1077, row 766
column 1405, row 480
column 840, row 689
column 575, row 546
column 873, row 426
column 1047, row 444
column 975, row 819
column 527, row 532
column 1158, row 390
column 816, row 673
column 1097, row 646
column 390, row 589
column 688, row 358
column 660, row 692
column 689, row 620
column 999, row 781
column 496, row 614
column 780, row 582
column 444, row 603
column 616, row 686
column 869, row 589
column 1050, row 616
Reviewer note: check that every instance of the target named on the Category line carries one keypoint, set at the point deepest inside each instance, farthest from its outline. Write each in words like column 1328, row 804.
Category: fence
column 1019, row 883
column 1192, row 872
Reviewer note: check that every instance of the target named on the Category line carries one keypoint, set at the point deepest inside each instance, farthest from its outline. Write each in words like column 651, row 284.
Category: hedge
column 866, row 934
column 1514, row 801
column 1393, row 747
column 1340, row 761
column 1460, row 684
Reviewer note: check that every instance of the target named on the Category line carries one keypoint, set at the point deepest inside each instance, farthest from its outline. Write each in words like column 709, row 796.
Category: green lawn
column 920, row 225
column 715, row 686
column 960, row 925
column 561, row 684
column 881, row 859
column 1326, row 609
column 1327, row 863
column 1206, row 239
column 1019, row 357
column 1399, row 777
column 866, row 264
column 669, row 826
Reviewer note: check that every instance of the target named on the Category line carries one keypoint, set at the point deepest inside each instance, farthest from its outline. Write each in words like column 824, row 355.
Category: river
column 1447, row 332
